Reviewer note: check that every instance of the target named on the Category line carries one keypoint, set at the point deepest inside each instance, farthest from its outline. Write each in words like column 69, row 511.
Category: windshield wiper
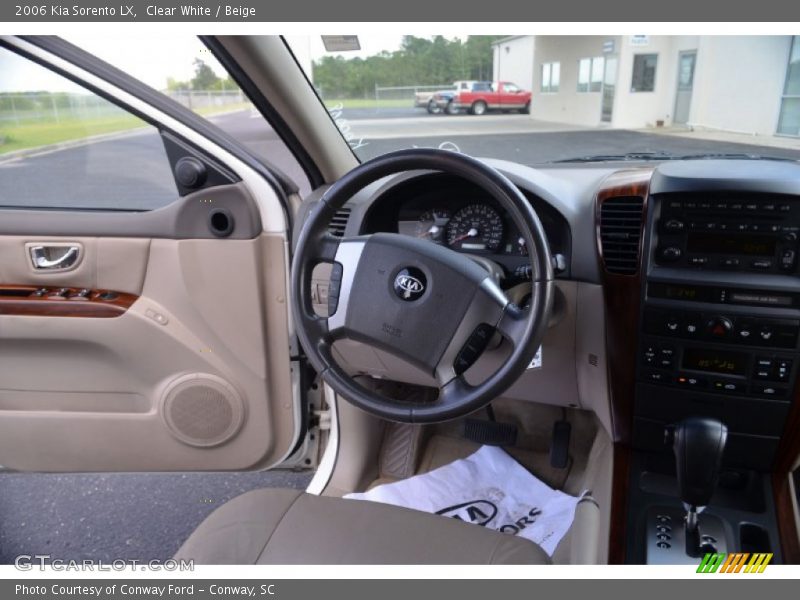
column 648, row 156
column 731, row 156
column 628, row 156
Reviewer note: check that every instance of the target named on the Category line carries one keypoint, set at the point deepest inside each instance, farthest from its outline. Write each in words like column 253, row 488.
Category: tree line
column 205, row 79
column 419, row 61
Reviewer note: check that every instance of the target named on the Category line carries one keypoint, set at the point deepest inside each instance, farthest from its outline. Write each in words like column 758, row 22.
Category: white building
column 746, row 84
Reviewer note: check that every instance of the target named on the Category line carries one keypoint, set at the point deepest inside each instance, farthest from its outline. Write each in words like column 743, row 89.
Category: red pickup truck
column 483, row 96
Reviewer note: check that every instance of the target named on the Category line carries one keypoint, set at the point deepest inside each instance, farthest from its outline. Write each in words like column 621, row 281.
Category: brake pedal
column 490, row 433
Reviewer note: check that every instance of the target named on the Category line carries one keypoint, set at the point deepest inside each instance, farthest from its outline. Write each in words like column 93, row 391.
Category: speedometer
column 475, row 227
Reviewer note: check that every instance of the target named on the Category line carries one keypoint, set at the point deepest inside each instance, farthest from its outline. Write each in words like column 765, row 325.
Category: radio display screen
column 715, row 361
column 720, row 243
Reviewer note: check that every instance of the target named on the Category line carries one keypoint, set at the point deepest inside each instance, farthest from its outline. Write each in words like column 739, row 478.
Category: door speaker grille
column 202, row 410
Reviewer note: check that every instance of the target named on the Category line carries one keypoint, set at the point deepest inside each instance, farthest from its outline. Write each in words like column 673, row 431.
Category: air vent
column 339, row 222
column 620, row 232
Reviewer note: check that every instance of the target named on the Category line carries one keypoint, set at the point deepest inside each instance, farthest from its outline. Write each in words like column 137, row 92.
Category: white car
column 426, row 99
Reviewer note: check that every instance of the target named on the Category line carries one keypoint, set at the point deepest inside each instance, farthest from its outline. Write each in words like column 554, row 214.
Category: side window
column 62, row 146
column 179, row 66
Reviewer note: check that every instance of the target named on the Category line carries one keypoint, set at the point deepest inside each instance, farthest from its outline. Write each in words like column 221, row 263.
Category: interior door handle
column 52, row 258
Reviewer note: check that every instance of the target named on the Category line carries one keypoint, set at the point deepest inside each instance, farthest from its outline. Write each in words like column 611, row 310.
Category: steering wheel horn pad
column 419, row 301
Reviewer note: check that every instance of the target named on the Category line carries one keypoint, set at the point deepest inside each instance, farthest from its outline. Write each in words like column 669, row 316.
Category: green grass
column 35, row 133
column 369, row 103
column 39, row 132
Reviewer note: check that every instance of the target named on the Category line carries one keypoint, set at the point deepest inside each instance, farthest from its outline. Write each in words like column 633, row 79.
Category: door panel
column 166, row 346
column 179, row 381
column 105, row 263
column 186, row 217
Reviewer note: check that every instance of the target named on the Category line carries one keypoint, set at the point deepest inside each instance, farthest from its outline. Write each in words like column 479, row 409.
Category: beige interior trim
column 89, row 394
column 324, row 472
column 590, row 546
column 117, row 264
column 356, row 463
column 590, row 353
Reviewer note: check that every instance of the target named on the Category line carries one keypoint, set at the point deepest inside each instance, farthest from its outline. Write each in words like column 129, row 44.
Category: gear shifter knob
column 698, row 444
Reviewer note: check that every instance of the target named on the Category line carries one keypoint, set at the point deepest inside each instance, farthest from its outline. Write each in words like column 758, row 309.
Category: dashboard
column 678, row 291
column 678, row 296
column 464, row 218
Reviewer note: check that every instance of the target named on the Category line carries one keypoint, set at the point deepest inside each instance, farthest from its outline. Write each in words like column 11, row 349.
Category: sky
column 152, row 59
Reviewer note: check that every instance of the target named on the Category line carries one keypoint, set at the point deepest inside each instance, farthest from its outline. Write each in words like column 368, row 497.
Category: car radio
column 750, row 233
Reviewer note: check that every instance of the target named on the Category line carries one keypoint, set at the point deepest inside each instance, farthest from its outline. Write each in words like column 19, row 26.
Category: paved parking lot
column 135, row 516
column 97, row 181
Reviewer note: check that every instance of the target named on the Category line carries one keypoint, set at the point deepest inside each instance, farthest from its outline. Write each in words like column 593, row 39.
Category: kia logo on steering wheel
column 409, row 284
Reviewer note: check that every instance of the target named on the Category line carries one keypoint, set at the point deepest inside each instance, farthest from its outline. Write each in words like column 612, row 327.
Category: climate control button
column 719, row 327
column 691, row 381
column 730, row 387
column 670, row 254
column 745, row 329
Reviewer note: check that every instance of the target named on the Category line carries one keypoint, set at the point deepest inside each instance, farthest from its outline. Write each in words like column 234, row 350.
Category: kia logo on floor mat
column 479, row 512
column 409, row 284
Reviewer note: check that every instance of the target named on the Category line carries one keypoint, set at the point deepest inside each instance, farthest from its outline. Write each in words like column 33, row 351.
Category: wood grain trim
column 18, row 300
column 621, row 295
column 786, row 457
column 784, row 515
column 622, row 304
column 619, row 504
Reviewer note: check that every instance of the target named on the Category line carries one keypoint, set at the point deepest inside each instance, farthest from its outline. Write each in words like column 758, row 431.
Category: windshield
column 544, row 99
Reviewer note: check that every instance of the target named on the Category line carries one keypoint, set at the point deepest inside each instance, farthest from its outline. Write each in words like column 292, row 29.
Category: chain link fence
column 204, row 101
column 406, row 93
column 16, row 109
column 56, row 107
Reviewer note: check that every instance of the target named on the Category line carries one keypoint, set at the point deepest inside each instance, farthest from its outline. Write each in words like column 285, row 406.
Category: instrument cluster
column 470, row 226
column 461, row 216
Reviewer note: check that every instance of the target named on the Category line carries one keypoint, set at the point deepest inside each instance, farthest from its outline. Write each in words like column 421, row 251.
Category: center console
column 719, row 328
column 721, row 317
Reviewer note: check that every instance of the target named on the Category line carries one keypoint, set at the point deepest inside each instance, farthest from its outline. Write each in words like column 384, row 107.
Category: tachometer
column 475, row 227
column 432, row 223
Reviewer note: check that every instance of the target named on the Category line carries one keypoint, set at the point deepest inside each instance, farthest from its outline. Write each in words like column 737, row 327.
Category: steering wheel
column 417, row 300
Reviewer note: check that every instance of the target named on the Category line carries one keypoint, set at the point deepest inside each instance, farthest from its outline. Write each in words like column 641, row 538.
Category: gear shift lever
column 698, row 444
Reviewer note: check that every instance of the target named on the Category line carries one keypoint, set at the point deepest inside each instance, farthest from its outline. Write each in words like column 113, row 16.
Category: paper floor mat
column 490, row 489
